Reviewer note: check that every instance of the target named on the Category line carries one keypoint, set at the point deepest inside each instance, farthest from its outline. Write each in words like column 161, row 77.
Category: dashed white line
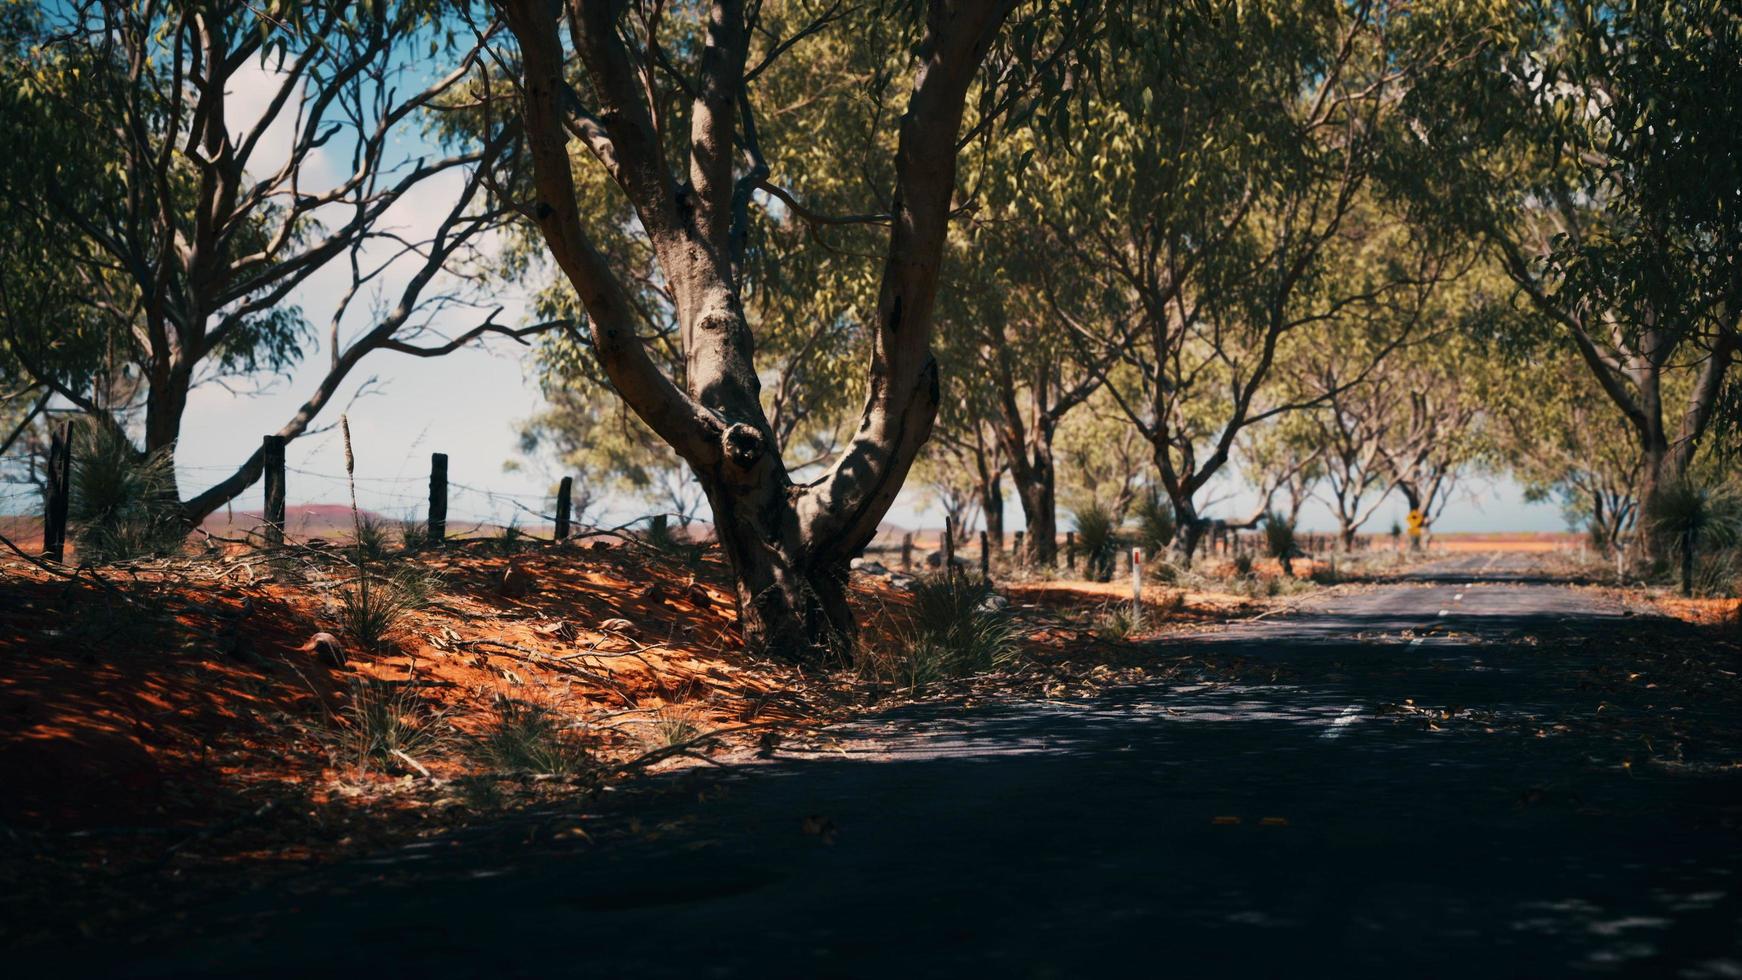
column 1342, row 721
column 1458, row 598
column 1445, row 612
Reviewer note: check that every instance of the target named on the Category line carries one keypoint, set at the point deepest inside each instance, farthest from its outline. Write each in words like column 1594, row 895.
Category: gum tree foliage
column 196, row 211
column 1597, row 147
column 1216, row 201
column 1561, row 439
column 1020, row 375
column 681, row 130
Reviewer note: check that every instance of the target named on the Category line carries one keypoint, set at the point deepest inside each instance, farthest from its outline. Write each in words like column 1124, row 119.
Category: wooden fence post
column 985, row 557
column 60, row 483
column 564, row 502
column 1017, row 554
column 949, row 544
column 272, row 479
column 438, row 497
column 1070, row 551
column 907, row 552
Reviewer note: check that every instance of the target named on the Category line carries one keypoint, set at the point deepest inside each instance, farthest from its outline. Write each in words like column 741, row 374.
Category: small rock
column 616, row 626
column 327, row 648
column 516, row 581
column 993, row 603
column 870, row 567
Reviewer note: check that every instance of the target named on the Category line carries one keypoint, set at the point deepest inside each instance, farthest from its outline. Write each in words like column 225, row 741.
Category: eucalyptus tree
column 681, row 131
column 1596, row 146
column 248, row 148
column 1236, row 146
column 1021, row 375
column 1104, row 459
column 1560, row 438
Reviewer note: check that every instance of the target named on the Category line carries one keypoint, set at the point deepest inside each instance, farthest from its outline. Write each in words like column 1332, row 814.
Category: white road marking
column 1342, row 721
column 1417, row 641
column 1458, row 598
column 1445, row 612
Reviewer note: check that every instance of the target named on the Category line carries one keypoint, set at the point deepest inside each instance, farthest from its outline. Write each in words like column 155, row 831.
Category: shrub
column 1098, row 537
column 1279, row 541
column 1156, row 524
column 1243, row 565
column 123, row 503
column 386, row 721
column 525, row 737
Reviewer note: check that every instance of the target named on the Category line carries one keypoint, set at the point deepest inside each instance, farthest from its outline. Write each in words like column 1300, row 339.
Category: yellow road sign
column 1415, row 522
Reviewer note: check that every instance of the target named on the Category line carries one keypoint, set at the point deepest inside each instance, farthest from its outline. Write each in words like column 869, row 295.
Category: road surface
column 1334, row 821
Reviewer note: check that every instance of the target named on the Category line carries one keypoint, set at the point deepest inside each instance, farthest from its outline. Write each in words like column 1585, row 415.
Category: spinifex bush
column 123, row 502
column 374, row 540
column 414, row 533
column 1693, row 518
column 955, row 629
column 372, row 609
column 1156, row 525
column 535, row 738
column 1097, row 535
column 1115, row 622
column 1279, row 541
column 386, row 722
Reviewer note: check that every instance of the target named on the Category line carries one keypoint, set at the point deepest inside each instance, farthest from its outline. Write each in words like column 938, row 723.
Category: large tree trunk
column 1658, row 472
column 791, row 586
column 992, row 509
column 1192, row 529
column 1037, row 489
column 166, row 402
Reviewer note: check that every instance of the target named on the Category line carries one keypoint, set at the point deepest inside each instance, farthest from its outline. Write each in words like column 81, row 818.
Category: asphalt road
column 1300, row 827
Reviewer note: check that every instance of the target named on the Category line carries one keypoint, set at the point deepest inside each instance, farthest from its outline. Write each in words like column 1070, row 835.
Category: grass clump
column 124, row 503
column 389, row 724
column 1243, row 565
column 1098, row 536
column 525, row 737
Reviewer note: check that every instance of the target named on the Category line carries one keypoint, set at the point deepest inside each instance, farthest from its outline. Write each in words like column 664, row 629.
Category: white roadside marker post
column 1137, row 587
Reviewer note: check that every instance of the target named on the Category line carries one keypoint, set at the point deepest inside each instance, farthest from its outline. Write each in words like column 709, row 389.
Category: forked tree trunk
column 789, row 545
